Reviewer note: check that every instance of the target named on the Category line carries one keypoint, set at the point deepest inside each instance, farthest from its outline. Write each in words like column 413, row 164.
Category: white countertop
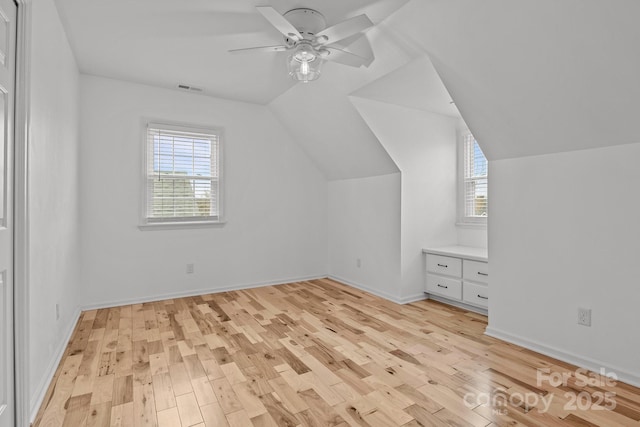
column 467, row 252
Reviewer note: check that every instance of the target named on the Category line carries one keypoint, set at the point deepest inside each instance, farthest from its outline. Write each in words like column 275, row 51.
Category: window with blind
column 183, row 175
column 475, row 180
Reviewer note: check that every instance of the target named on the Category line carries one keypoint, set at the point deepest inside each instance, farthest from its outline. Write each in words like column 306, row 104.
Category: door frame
column 22, row 396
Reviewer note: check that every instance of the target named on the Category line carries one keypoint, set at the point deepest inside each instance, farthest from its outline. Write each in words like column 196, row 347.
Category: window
column 474, row 182
column 183, row 175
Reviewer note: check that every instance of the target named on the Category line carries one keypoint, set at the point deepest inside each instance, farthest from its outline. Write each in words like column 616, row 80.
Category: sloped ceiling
column 534, row 77
column 322, row 119
column 528, row 77
column 415, row 85
column 344, row 144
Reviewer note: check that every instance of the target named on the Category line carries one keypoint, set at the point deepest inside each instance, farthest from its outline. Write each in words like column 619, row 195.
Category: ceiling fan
column 311, row 43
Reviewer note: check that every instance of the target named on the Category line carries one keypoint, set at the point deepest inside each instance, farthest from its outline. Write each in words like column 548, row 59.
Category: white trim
column 565, row 356
column 475, row 225
column 21, row 212
column 171, row 126
column 459, row 304
column 404, row 300
column 143, row 221
column 172, row 295
column 412, row 298
column 45, row 381
column 463, row 221
column 177, row 225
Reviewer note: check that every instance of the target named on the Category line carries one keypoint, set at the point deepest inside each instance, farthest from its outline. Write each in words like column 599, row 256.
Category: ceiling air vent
column 189, row 88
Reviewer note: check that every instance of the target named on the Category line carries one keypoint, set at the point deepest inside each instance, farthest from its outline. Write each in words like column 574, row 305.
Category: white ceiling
column 529, row 77
column 171, row 42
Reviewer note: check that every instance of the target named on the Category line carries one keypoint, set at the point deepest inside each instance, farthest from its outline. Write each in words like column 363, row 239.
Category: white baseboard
column 404, row 300
column 565, row 356
column 38, row 396
column 191, row 293
column 459, row 304
column 413, row 298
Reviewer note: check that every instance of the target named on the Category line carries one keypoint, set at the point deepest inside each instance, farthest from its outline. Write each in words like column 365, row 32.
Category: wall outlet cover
column 584, row 316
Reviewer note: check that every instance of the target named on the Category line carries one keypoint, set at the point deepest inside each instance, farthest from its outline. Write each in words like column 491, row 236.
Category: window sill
column 472, row 225
column 180, row 225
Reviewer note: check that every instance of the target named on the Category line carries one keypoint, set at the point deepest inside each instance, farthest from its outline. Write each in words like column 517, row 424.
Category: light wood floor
column 313, row 354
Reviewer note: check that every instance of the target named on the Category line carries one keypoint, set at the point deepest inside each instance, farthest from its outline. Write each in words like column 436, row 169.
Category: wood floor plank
column 77, row 411
column 169, row 418
column 163, row 391
column 122, row 415
column 315, row 353
column 238, row 419
column 144, row 408
column 213, row 415
column 188, row 409
column 99, row 415
column 226, row 396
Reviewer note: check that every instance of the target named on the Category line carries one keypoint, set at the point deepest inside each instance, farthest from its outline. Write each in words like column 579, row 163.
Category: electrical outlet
column 57, row 311
column 190, row 268
column 584, row 316
column 358, row 263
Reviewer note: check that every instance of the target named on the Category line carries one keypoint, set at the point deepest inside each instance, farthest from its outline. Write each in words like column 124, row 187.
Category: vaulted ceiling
column 171, row 42
column 529, row 77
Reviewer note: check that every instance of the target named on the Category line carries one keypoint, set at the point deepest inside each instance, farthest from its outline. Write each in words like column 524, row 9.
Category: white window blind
column 183, row 174
column 476, row 176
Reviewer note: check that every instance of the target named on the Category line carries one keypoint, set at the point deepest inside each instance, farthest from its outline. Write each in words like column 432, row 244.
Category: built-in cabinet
column 459, row 275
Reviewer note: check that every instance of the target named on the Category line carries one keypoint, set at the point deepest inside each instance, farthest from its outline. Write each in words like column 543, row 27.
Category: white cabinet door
column 444, row 286
column 446, row 265
column 476, row 294
column 476, row 271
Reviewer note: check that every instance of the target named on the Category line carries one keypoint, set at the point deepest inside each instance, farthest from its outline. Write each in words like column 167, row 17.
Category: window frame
column 179, row 222
column 462, row 219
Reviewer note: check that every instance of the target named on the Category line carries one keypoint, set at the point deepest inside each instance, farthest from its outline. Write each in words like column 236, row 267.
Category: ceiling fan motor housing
column 308, row 22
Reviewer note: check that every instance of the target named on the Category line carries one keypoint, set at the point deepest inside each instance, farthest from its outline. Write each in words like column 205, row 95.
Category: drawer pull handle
column 481, row 297
column 442, row 286
column 482, row 274
column 443, row 265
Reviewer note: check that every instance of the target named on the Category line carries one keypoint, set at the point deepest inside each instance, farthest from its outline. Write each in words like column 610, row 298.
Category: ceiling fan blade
column 358, row 44
column 280, row 22
column 279, row 48
column 344, row 57
column 344, row 29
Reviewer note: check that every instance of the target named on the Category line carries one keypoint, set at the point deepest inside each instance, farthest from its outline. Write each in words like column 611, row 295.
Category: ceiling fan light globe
column 304, row 63
column 304, row 67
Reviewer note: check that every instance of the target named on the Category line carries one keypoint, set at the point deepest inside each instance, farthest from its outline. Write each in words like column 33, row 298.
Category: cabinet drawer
column 475, row 271
column 475, row 294
column 444, row 265
column 444, row 286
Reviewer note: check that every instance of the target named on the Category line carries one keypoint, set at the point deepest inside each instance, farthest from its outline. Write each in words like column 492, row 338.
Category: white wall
column 473, row 236
column 275, row 200
column 54, row 256
column 565, row 234
column 423, row 145
column 364, row 223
